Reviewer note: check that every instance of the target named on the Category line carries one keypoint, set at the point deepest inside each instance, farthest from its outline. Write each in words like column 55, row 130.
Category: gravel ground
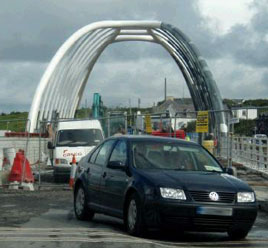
column 19, row 206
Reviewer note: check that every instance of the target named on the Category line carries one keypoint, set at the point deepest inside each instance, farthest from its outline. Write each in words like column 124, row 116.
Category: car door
column 95, row 170
column 115, row 181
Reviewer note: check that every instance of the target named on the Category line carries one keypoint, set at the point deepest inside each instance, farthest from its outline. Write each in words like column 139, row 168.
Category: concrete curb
column 263, row 205
column 259, row 173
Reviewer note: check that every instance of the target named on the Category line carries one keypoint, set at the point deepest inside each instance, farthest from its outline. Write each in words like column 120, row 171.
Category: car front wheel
column 133, row 217
column 81, row 209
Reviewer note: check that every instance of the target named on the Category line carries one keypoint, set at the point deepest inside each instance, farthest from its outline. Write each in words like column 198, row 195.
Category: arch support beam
column 61, row 87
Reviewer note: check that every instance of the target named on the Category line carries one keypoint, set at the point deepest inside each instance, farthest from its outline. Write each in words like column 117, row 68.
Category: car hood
column 196, row 181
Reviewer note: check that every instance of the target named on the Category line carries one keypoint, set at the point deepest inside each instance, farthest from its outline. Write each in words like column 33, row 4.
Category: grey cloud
column 239, row 80
column 246, row 44
column 33, row 32
column 18, row 83
column 121, row 81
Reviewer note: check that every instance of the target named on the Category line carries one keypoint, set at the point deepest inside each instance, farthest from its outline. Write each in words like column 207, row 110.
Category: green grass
column 15, row 121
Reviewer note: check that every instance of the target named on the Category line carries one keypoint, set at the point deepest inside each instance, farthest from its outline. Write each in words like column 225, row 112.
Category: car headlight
column 245, row 197
column 177, row 194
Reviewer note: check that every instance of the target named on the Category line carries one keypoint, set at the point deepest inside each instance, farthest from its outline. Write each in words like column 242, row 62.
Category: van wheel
column 134, row 221
column 81, row 209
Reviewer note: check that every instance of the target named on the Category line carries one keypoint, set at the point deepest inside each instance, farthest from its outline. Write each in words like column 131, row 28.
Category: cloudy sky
column 231, row 35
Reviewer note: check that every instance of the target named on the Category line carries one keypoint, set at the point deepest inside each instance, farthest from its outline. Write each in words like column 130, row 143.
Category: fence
column 251, row 152
column 19, row 143
column 248, row 151
column 243, row 144
column 11, row 146
column 230, row 146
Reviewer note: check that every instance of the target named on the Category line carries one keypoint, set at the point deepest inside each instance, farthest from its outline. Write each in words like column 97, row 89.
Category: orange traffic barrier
column 73, row 170
column 16, row 173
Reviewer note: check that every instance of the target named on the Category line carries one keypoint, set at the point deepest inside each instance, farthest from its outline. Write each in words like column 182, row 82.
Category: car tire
column 237, row 234
column 134, row 220
column 81, row 209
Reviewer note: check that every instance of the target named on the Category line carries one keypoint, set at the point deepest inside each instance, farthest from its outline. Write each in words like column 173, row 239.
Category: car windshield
column 79, row 137
column 172, row 156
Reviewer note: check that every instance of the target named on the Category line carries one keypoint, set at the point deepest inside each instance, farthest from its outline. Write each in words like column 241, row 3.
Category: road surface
column 46, row 219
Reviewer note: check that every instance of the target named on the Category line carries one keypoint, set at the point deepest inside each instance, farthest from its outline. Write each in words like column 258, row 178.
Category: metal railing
column 248, row 151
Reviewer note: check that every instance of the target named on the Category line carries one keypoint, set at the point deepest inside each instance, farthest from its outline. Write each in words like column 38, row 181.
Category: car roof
column 153, row 138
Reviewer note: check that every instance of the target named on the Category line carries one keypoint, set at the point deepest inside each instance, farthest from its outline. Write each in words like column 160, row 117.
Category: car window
column 104, row 152
column 119, row 152
column 172, row 156
column 94, row 155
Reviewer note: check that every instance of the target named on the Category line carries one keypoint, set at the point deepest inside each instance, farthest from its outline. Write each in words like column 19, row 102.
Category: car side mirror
column 116, row 165
column 50, row 145
column 229, row 171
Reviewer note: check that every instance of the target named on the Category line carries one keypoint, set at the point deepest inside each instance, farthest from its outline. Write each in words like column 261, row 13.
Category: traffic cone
column 73, row 170
column 16, row 172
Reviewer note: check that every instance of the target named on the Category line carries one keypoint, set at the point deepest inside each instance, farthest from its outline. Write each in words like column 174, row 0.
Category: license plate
column 214, row 211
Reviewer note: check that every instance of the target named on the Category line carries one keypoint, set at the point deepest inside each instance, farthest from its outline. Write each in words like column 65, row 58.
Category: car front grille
column 202, row 196
column 200, row 223
column 215, row 222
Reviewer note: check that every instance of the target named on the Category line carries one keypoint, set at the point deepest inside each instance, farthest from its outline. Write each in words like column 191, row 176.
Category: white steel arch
column 61, row 87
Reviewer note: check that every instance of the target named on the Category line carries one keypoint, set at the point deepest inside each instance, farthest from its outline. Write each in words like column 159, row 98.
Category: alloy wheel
column 132, row 214
column 80, row 201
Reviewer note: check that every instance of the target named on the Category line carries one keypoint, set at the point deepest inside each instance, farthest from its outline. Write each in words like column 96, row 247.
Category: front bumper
column 62, row 170
column 185, row 215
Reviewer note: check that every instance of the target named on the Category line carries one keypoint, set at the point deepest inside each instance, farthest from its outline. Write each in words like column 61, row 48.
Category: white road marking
column 102, row 235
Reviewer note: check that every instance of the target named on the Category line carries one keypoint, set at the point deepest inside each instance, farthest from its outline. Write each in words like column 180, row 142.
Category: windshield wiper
column 215, row 171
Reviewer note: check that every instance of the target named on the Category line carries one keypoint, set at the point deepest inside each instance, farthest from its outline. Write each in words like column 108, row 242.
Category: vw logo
column 213, row 196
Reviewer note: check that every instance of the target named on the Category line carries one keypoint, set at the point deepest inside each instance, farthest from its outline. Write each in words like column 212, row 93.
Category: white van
column 73, row 138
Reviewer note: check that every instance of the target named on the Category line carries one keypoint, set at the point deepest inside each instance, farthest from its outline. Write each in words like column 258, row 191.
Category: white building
column 245, row 114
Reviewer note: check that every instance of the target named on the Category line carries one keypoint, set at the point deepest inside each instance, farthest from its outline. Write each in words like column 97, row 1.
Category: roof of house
column 177, row 105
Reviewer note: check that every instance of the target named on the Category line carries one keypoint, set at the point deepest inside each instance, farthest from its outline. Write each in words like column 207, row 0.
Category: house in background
column 182, row 106
column 245, row 114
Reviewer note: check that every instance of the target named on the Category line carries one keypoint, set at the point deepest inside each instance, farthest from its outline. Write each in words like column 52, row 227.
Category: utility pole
column 183, row 93
column 165, row 90
column 86, row 108
column 130, row 111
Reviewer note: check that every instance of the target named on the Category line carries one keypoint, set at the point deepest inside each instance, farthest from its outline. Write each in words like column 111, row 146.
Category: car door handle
column 104, row 174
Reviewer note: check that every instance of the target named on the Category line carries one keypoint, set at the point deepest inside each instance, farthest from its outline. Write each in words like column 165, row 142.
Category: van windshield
column 79, row 137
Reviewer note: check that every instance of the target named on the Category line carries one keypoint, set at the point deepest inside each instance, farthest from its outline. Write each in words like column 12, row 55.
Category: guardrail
column 249, row 151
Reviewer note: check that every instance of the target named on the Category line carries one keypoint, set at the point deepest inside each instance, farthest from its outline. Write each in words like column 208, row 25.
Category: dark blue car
column 153, row 182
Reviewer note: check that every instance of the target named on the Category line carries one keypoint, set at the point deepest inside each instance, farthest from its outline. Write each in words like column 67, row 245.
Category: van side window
column 94, row 155
column 104, row 152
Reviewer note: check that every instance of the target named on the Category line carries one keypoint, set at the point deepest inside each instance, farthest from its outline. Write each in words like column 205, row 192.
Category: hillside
column 15, row 121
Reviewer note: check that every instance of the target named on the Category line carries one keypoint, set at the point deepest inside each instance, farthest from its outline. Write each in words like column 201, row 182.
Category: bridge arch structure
column 62, row 85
